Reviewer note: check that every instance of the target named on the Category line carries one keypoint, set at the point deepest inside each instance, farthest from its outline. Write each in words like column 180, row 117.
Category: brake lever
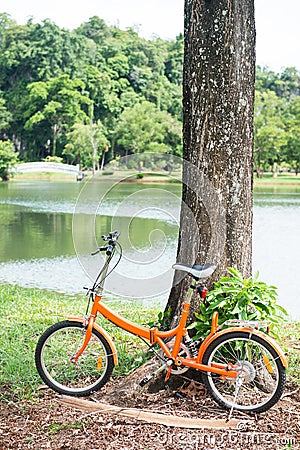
column 100, row 249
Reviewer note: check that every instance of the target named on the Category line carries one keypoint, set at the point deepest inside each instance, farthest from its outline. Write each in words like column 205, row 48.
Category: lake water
column 48, row 231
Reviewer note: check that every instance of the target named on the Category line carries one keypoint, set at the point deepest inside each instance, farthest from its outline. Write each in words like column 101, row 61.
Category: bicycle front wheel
column 260, row 373
column 54, row 353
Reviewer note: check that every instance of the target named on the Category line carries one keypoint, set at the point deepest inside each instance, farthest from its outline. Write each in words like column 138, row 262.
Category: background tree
column 5, row 116
column 8, row 159
column 56, row 104
column 270, row 136
column 291, row 152
column 119, row 70
column 85, row 144
column 144, row 128
column 218, row 102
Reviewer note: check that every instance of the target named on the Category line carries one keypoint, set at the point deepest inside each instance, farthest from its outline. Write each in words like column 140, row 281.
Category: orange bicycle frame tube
column 156, row 336
column 86, row 340
column 151, row 334
column 88, row 335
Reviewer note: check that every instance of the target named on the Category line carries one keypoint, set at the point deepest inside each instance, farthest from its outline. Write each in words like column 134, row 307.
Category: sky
column 277, row 21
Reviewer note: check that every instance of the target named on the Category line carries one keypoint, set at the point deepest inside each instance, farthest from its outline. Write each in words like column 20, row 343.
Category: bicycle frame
column 156, row 336
column 242, row 367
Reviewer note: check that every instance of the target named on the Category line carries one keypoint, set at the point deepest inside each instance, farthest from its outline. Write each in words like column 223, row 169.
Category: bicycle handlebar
column 112, row 236
column 112, row 241
column 100, row 249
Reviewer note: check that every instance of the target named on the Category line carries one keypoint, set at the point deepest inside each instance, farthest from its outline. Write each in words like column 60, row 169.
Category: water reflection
column 26, row 234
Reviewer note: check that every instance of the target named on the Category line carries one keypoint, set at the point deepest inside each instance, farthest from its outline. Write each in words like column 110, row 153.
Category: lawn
column 26, row 313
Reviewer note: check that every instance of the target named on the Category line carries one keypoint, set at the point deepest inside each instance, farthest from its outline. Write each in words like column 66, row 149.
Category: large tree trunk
column 216, row 213
column 218, row 98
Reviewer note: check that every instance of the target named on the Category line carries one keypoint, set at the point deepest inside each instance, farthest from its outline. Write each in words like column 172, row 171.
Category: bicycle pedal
column 145, row 380
column 152, row 375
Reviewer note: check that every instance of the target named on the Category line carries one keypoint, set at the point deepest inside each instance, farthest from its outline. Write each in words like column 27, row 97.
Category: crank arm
column 153, row 374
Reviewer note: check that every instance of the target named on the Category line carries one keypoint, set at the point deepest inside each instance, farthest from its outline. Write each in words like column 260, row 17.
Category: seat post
column 190, row 293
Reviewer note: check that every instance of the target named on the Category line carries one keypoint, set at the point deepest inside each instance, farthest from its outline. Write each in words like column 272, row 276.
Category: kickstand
column 238, row 384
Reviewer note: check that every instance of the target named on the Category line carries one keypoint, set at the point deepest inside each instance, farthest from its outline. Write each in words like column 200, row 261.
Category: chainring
column 184, row 352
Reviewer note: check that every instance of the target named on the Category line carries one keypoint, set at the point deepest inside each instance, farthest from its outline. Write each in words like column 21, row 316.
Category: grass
column 44, row 176
column 27, row 313
column 267, row 180
column 290, row 342
column 56, row 427
column 283, row 179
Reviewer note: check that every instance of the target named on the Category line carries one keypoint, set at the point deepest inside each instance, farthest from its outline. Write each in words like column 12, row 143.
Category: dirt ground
column 47, row 424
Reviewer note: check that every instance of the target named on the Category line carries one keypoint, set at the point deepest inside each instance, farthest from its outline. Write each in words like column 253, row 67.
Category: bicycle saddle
column 197, row 271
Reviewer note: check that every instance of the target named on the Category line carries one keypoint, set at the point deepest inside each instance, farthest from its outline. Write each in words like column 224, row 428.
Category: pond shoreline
column 132, row 177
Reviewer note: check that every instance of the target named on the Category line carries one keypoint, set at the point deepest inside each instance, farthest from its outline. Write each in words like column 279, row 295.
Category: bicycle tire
column 260, row 368
column 53, row 359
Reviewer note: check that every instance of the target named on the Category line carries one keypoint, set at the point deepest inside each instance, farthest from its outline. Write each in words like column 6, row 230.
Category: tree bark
column 54, row 137
column 218, row 103
column 218, row 110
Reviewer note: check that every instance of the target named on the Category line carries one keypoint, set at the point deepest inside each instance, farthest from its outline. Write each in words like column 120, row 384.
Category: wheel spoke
column 260, row 374
column 54, row 354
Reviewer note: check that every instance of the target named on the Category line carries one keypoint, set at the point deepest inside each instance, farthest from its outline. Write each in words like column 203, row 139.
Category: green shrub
column 237, row 298
column 53, row 159
column 107, row 172
column 163, row 320
column 139, row 176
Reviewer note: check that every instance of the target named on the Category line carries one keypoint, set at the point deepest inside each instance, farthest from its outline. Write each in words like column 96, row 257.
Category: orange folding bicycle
column 241, row 366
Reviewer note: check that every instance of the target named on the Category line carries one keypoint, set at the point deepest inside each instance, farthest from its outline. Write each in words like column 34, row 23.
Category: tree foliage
column 52, row 79
column 8, row 159
column 144, row 128
column 5, row 116
column 85, row 144
column 270, row 133
column 277, row 120
column 56, row 105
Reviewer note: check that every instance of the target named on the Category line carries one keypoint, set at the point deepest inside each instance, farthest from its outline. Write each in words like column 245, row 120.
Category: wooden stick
column 146, row 416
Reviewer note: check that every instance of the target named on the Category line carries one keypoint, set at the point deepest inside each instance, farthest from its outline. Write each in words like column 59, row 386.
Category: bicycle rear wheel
column 261, row 374
column 53, row 357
